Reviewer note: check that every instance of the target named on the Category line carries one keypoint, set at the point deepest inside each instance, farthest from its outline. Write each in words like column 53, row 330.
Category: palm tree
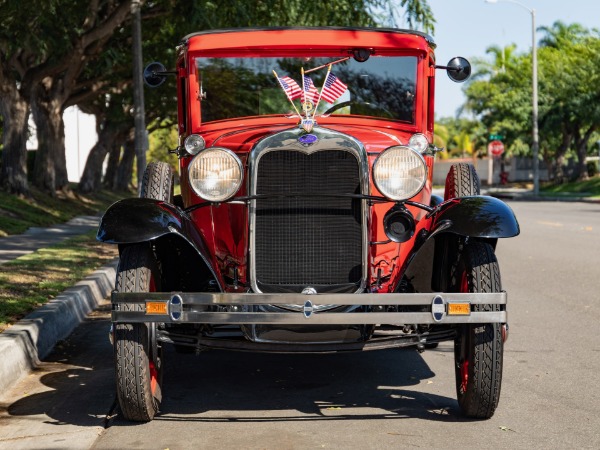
column 503, row 59
column 561, row 32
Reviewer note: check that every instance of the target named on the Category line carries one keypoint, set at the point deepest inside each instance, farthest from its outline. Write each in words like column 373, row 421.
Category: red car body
column 305, row 214
column 240, row 135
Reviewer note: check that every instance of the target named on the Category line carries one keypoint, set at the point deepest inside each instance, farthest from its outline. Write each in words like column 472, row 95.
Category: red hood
column 241, row 139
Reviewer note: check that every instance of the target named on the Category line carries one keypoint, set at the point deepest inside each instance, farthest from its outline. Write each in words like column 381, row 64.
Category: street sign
column 496, row 148
column 496, row 137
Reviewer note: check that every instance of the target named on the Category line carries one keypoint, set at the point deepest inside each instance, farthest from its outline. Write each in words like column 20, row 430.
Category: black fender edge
column 476, row 216
column 136, row 220
column 480, row 217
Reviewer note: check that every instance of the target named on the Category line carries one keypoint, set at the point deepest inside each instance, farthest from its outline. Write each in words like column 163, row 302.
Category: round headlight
column 215, row 174
column 194, row 143
column 419, row 142
column 399, row 173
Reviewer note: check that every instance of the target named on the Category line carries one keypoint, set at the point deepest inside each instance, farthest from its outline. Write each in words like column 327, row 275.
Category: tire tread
column 131, row 340
column 485, row 376
column 158, row 182
column 462, row 181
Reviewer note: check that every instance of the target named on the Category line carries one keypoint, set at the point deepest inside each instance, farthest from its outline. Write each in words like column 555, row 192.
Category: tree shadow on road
column 220, row 386
column 74, row 384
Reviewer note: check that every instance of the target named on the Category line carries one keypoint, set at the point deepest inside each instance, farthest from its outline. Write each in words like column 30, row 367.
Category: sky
column 467, row 27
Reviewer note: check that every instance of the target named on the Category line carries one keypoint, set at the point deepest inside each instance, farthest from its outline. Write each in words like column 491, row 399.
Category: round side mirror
column 458, row 69
column 154, row 74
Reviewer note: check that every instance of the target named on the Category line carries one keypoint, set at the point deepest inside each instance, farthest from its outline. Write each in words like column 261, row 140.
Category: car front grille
column 308, row 239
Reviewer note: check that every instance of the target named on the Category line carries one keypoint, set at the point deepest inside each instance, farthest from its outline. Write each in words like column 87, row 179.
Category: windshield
column 237, row 87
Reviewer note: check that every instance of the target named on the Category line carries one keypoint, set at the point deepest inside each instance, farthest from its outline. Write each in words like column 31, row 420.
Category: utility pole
column 535, row 146
column 141, row 138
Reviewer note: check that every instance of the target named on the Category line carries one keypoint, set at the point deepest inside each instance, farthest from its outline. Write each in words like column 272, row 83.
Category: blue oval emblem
column 308, row 309
column 308, row 139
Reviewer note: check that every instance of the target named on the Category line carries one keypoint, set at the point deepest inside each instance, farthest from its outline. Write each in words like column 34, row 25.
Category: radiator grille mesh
column 308, row 240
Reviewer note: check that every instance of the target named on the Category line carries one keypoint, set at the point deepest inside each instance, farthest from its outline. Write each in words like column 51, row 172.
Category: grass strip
column 589, row 188
column 18, row 213
column 32, row 280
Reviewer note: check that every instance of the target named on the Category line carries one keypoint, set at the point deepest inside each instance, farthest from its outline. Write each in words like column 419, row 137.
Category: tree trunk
column 559, row 174
column 114, row 156
column 15, row 111
column 50, row 169
column 109, row 134
column 582, row 144
column 92, row 173
column 125, row 171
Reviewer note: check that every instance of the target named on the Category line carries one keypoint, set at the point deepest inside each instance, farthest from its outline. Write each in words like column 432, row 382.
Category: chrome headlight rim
column 235, row 187
column 414, row 192
column 419, row 142
column 194, row 144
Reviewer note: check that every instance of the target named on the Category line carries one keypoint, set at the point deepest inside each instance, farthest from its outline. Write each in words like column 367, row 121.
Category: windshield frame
column 197, row 78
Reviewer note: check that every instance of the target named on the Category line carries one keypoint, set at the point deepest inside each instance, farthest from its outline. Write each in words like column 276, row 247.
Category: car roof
column 316, row 37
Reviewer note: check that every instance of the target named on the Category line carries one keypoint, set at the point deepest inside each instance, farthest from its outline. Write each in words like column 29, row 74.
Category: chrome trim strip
column 288, row 140
column 227, row 298
column 325, row 318
column 191, row 300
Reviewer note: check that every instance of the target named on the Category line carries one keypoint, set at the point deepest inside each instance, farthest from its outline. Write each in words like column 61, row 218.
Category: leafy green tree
column 186, row 17
column 462, row 137
column 570, row 61
column 560, row 34
column 569, row 101
column 45, row 65
column 16, row 81
column 503, row 59
column 41, row 64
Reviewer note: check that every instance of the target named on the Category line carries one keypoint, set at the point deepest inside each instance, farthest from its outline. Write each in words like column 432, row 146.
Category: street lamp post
column 535, row 146
column 140, row 138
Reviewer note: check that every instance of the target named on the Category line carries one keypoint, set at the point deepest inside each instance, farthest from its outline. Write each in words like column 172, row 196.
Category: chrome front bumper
column 245, row 309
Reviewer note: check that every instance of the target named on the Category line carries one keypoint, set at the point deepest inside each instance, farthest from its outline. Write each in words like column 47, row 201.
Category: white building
column 80, row 137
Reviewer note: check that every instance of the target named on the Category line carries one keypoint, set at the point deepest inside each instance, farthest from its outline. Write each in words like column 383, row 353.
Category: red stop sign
column 496, row 148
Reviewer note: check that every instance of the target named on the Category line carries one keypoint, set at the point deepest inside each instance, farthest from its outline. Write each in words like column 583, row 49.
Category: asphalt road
column 387, row 399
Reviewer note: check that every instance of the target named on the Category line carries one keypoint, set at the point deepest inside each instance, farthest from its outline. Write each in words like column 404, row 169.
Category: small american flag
column 310, row 91
column 333, row 88
column 291, row 88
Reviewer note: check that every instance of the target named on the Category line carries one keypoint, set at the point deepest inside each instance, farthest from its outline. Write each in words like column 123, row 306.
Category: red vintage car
column 306, row 220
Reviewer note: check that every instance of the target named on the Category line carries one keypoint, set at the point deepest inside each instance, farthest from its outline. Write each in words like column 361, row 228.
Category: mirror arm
column 454, row 69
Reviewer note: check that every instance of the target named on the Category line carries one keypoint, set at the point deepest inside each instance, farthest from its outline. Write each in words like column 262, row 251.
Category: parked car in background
column 306, row 220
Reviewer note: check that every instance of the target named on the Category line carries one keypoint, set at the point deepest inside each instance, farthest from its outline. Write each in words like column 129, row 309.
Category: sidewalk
column 523, row 194
column 12, row 247
column 24, row 344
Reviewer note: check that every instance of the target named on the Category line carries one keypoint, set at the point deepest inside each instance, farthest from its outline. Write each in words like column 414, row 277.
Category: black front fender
column 477, row 216
column 136, row 220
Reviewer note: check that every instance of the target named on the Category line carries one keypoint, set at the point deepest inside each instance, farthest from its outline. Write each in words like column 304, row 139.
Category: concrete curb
column 32, row 338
